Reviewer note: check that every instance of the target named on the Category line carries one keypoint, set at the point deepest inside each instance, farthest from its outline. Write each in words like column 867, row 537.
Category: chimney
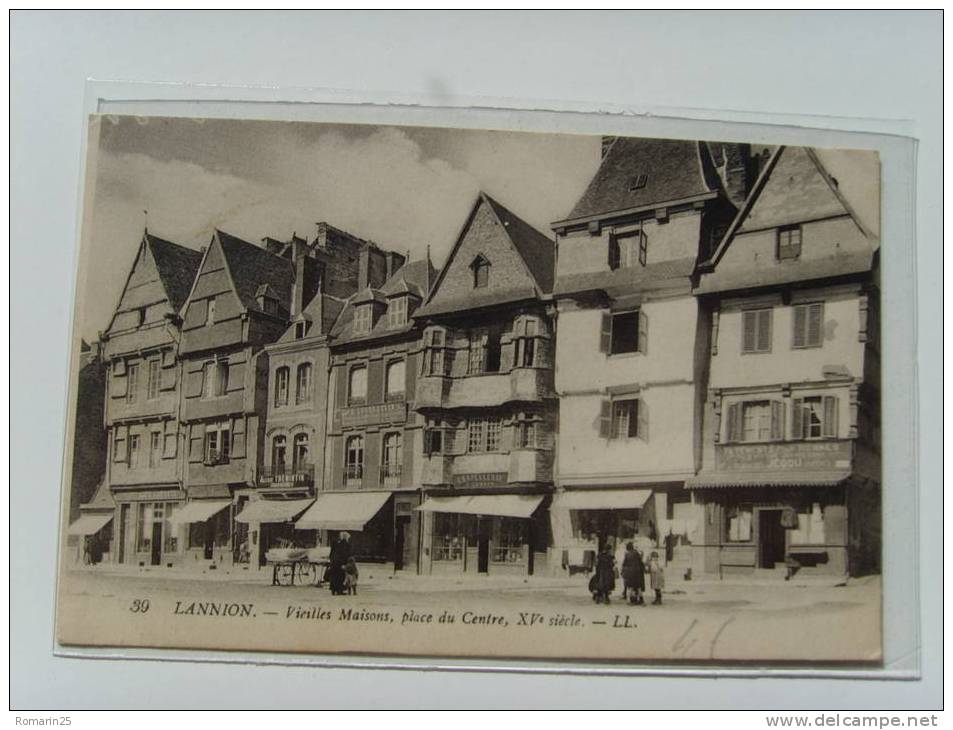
column 606, row 144
column 394, row 262
column 736, row 169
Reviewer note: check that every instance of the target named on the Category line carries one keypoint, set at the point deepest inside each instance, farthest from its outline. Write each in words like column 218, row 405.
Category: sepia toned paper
column 556, row 397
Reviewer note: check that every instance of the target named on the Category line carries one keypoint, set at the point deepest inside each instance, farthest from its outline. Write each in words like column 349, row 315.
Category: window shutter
column 642, row 416
column 196, row 442
column 605, row 419
column 830, row 416
column 119, row 386
column 800, row 327
column 193, row 383
column 764, row 330
column 238, row 437
column 119, row 367
column 777, row 420
column 643, row 332
column 748, row 325
column 815, row 315
column 797, row 423
column 167, row 378
column 613, row 252
column 170, row 440
column 428, row 440
column 119, row 444
column 734, row 422
column 605, row 334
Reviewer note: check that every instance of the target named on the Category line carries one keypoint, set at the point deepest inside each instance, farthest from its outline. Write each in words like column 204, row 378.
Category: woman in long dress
column 602, row 582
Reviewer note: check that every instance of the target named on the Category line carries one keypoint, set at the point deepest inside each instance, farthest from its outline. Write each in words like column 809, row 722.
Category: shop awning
column 273, row 510
column 89, row 524
column 497, row 505
column 342, row 511
column 602, row 499
column 792, row 478
column 199, row 510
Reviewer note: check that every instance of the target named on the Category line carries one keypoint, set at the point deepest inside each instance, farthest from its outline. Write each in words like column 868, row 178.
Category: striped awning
column 497, row 505
column 792, row 478
column 342, row 511
column 602, row 499
column 199, row 510
column 273, row 510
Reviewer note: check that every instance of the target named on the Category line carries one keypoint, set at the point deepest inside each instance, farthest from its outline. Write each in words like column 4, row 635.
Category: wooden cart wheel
column 307, row 573
column 286, row 574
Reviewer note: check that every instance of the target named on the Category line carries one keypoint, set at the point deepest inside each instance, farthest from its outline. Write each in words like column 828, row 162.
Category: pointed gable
column 637, row 173
column 252, row 267
column 796, row 189
column 518, row 258
column 176, row 266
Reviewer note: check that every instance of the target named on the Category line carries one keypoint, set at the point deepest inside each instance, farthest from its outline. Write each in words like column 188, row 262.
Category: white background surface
column 830, row 64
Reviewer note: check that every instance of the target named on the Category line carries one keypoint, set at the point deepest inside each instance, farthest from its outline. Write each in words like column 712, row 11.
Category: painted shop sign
column 367, row 415
column 481, row 479
column 798, row 455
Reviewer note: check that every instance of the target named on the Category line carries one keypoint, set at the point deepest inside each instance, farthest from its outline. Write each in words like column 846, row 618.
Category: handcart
column 304, row 565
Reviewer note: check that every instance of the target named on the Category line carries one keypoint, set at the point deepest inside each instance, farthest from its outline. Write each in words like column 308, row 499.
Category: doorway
column 770, row 538
column 402, row 546
column 123, row 519
column 156, row 543
column 483, row 545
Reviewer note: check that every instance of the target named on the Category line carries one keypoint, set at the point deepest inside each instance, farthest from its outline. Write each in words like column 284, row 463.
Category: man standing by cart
column 340, row 554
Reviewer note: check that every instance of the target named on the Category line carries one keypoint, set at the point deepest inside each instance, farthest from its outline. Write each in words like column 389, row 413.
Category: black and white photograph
column 445, row 392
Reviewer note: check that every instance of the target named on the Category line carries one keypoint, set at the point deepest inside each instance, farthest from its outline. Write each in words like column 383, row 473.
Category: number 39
column 140, row 605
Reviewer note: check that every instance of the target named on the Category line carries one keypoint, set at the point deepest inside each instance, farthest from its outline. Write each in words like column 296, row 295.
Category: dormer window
column 300, row 330
column 637, row 182
column 397, row 311
column 269, row 306
column 363, row 318
column 481, row 272
column 628, row 249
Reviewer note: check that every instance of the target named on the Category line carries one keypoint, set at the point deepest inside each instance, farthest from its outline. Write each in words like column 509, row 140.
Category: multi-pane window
column 789, row 243
column 363, row 318
column 625, row 418
column 815, row 417
column 144, row 520
column 154, row 522
column 279, row 452
column 132, row 392
column 282, row 378
column 397, row 311
column 395, row 377
column 155, row 448
column 218, row 443
column 508, row 536
column 354, row 458
column 525, row 434
column 807, row 324
column 756, row 421
column 299, row 454
column 357, row 386
column 756, row 330
column 485, row 351
column 624, row 332
column 135, row 448
column 303, row 389
column 483, row 434
column 435, row 357
column 393, row 455
column 152, row 388
column 527, row 332
column 216, row 378
column 627, row 250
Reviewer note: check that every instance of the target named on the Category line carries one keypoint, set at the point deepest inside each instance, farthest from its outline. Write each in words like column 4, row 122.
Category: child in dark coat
column 350, row 577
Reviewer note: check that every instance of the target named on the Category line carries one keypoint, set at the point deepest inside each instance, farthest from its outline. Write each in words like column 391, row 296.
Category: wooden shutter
column 167, row 377
column 194, row 380
column 196, row 442
column 168, row 358
column 815, row 315
column 238, row 438
column 643, row 332
column 119, row 443
column 800, row 326
column 642, row 419
column 118, row 386
column 119, row 367
column 605, row 334
column 235, row 378
column 605, row 419
column 764, row 330
column 613, row 252
column 748, row 321
column 797, row 422
column 830, row 416
column 777, row 420
column 734, row 422
column 170, row 440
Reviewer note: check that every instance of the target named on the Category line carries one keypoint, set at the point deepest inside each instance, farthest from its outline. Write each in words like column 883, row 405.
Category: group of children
column 633, row 571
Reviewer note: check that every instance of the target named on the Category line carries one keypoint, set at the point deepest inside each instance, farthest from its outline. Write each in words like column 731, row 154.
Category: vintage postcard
column 442, row 392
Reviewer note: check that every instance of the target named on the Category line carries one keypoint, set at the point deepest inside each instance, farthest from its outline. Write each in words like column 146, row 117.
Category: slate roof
column 253, row 267
column 177, row 265
column 537, row 250
column 415, row 278
column 673, row 171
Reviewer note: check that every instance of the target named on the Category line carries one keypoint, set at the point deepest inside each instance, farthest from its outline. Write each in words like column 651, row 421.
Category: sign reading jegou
column 798, row 455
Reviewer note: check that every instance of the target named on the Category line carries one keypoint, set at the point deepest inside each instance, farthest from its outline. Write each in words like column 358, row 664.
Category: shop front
column 268, row 522
column 780, row 524
column 378, row 534
column 93, row 534
column 205, row 525
column 146, row 534
column 501, row 534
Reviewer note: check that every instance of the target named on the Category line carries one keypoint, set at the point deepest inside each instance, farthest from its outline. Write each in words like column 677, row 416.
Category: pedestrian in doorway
column 657, row 573
column 633, row 575
column 602, row 582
